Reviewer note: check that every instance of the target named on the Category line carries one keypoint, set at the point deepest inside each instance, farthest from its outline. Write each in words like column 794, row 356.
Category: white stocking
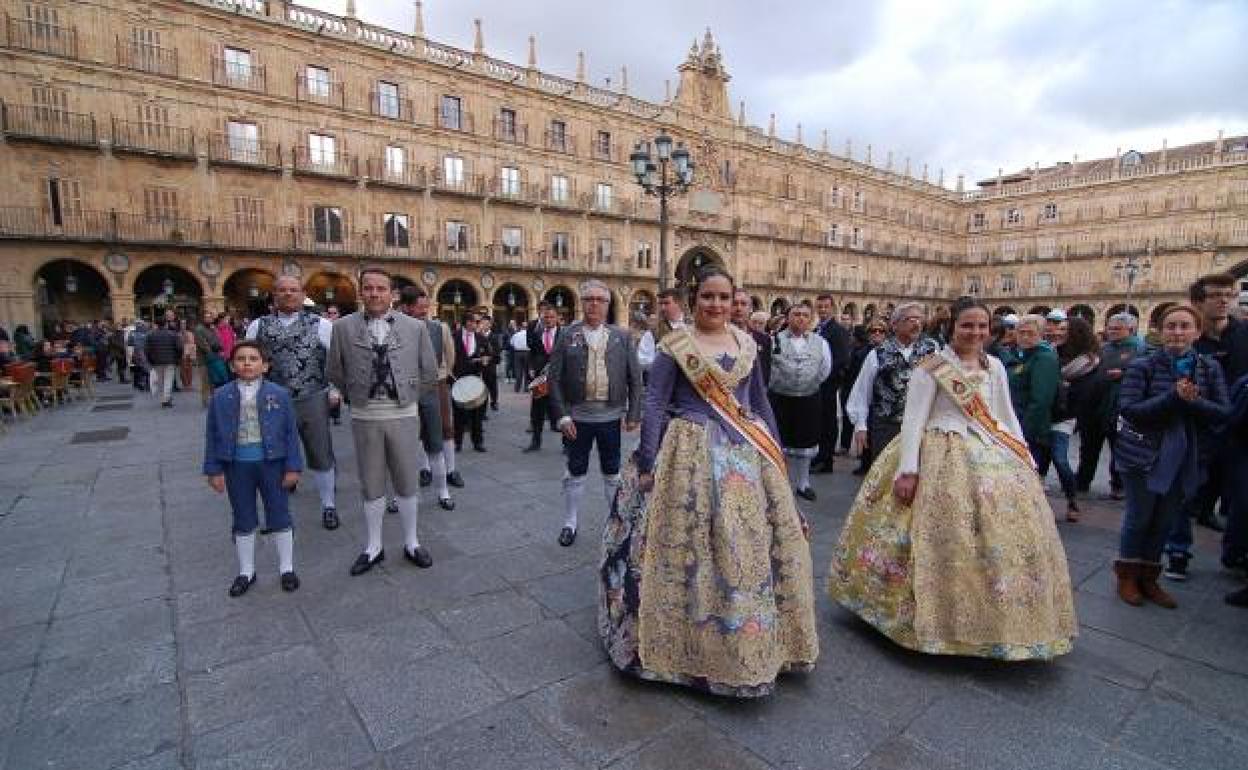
column 408, row 509
column 802, row 467
column 374, row 512
column 573, row 489
column 437, row 466
column 245, row 546
column 325, row 487
column 285, row 544
column 448, row 455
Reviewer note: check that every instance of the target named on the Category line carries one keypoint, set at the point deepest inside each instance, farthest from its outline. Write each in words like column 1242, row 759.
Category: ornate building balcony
column 248, row 77
column 331, row 93
column 392, row 107
column 48, row 124
column 453, row 120
column 518, row 192
column 41, row 36
column 510, row 131
column 248, row 153
column 335, row 164
column 408, row 176
column 466, row 184
column 153, row 139
column 147, row 57
column 559, row 142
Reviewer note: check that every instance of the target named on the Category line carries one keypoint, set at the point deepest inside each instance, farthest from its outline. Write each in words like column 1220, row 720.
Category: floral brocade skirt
column 706, row 581
column 973, row 567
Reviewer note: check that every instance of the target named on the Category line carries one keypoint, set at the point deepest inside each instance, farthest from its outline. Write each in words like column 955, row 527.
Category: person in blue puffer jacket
column 1170, row 403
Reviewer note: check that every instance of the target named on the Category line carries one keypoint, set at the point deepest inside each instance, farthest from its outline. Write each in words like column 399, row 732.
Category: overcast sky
column 967, row 85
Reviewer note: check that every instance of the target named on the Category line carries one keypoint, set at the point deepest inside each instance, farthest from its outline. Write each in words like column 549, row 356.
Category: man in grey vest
column 298, row 345
column 595, row 382
column 800, row 362
column 878, row 400
column 382, row 360
column 435, row 403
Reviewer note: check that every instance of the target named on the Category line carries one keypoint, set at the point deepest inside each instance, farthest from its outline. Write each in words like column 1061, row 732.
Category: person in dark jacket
column 838, row 342
column 23, row 341
column 1235, row 491
column 163, row 349
column 1170, row 402
column 1121, row 345
column 866, row 339
column 1077, row 353
column 1034, row 379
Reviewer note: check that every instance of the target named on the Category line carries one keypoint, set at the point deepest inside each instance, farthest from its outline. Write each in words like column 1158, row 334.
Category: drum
column 539, row 387
column 469, row 392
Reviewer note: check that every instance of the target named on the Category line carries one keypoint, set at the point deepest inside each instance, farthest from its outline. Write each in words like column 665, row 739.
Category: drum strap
column 701, row 375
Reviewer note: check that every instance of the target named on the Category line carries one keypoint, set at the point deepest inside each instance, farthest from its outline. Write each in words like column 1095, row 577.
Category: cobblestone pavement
column 120, row 648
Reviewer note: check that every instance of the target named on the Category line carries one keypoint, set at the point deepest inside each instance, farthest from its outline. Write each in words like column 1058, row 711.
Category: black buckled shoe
column 329, row 517
column 392, row 505
column 364, row 564
column 478, row 447
column 426, row 478
column 241, row 584
column 454, row 479
column 567, row 536
column 446, row 503
column 806, row 494
column 290, row 581
column 419, row 556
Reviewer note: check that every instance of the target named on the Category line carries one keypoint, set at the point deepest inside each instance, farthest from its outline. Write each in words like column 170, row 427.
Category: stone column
column 123, row 305
column 18, row 307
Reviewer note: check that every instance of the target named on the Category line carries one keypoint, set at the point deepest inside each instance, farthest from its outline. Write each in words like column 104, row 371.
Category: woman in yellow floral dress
column 950, row 547
column 706, row 576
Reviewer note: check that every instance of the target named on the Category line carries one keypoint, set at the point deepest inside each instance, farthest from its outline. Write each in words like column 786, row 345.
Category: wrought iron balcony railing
column 48, row 124
column 153, row 138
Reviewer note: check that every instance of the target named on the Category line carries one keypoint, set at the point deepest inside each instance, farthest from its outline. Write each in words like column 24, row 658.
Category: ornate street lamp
column 71, row 281
column 166, row 286
column 1131, row 268
column 655, row 180
column 329, row 293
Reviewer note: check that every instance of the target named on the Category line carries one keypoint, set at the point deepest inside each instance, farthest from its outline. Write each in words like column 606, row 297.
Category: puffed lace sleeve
column 920, row 395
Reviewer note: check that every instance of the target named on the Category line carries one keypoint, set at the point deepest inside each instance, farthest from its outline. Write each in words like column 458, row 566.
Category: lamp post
column 653, row 175
column 1131, row 268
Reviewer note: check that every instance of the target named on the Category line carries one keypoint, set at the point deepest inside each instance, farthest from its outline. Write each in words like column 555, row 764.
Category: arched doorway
column 1004, row 310
column 564, row 300
column 455, row 298
column 511, row 303
column 1154, row 318
column 249, row 293
column 397, row 284
column 68, row 290
column 1085, row 312
column 756, row 302
column 779, row 306
column 328, row 288
column 1122, row 307
column 692, row 261
column 1039, row 310
column 641, row 303
column 161, row 289
column 868, row 313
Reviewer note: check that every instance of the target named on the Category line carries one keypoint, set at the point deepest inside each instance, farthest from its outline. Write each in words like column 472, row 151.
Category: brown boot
column 1149, row 572
column 1128, row 583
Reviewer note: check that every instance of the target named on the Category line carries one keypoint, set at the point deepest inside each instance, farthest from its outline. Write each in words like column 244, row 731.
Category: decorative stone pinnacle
column 478, row 43
column 418, row 26
column 741, row 113
column 799, row 133
column 771, row 127
column 532, row 52
column 350, row 9
column 667, row 90
column 624, row 79
column 580, row 66
column 868, row 154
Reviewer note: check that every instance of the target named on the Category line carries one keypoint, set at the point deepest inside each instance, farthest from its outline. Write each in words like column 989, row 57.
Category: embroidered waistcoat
column 794, row 373
column 892, row 378
column 297, row 358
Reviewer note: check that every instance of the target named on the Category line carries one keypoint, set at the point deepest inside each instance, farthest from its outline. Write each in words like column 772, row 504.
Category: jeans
column 1060, row 451
column 243, row 480
column 1199, row 507
column 1147, row 519
column 162, row 381
column 607, row 434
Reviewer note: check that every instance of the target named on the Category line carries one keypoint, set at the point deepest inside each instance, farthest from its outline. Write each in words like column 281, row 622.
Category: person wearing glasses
column 595, row 383
column 877, row 402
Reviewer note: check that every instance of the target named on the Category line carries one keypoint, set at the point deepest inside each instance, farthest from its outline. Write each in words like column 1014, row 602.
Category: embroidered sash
column 680, row 345
column 972, row 403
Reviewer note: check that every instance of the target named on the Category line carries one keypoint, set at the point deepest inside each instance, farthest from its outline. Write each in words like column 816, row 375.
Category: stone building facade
column 184, row 153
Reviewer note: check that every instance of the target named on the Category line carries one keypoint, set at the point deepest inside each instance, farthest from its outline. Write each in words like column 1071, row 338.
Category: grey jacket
column 570, row 360
column 412, row 362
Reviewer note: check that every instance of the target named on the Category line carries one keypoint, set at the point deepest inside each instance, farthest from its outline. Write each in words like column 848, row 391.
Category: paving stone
column 37, row 576
column 143, row 561
column 1120, row 759
column 26, row 607
column 566, row 591
column 147, row 624
column 600, row 716
column 449, row 582
column 1154, row 627
column 1172, row 733
column 81, row 596
column 1220, row 646
column 905, row 754
column 976, row 729
column 294, row 681
column 13, row 687
column 792, row 730
column 691, row 745
column 69, row 683
column 164, row 760
column 20, row 646
column 535, row 655
column 1115, row 660
column 400, row 699
column 101, row 734
column 327, row 738
column 410, row 638
column 503, row 738
column 489, row 616
column 1213, row 692
column 213, row 643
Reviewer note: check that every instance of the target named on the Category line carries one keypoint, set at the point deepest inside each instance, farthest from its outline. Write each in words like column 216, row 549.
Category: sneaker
column 1176, row 566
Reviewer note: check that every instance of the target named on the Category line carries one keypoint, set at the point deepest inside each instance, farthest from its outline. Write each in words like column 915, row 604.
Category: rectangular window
column 513, row 241
column 322, row 150
column 397, row 231
column 244, row 141
column 559, row 189
column 452, row 113
column 834, row 235
column 64, row 200
column 237, row 65
column 456, row 236
column 387, row 99
column 559, row 247
column 1013, row 217
column 974, row 285
column 602, row 197
column 978, row 219
column 1007, row 282
column 602, row 144
column 51, row 104
column 153, row 120
column 856, row 238
column 860, row 202
column 396, row 161
column 509, row 181
column 558, row 135
column 145, row 51
column 327, row 224
column 782, row 268
column 248, row 212
column 604, row 251
column 317, row 81
column 507, row 124
column 453, row 171
column 1050, row 212
column 645, row 255
column 834, row 197
column 160, row 204
column 808, row 270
